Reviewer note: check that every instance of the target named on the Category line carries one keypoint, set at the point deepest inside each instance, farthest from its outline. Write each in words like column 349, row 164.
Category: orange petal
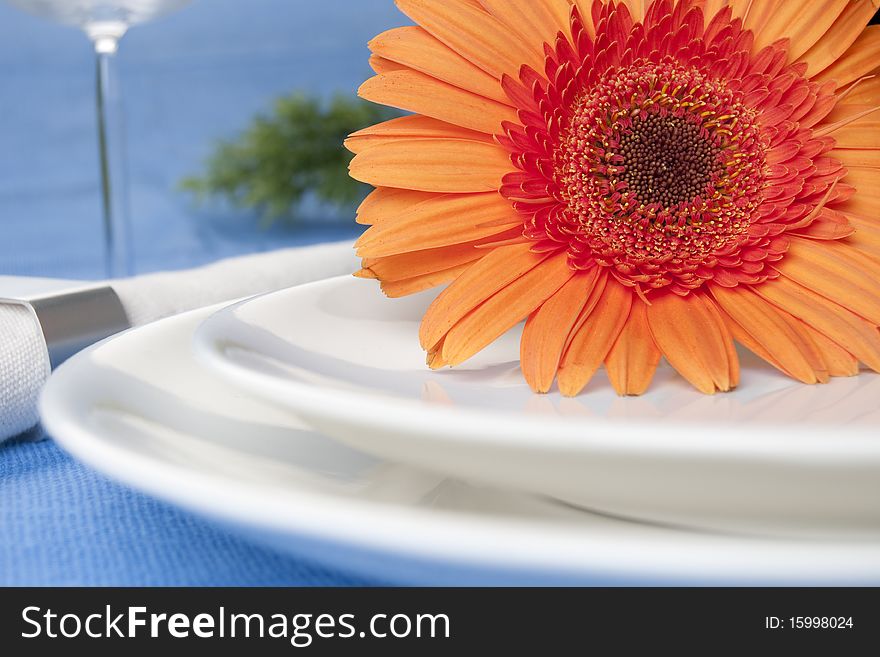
column 444, row 220
column 866, row 180
column 867, row 235
column 637, row 9
column 410, row 127
column 585, row 8
column 858, row 127
column 848, row 111
column 595, row 338
column 365, row 273
column 416, row 92
column 415, row 48
column 507, row 308
column 561, row 10
column 433, row 165
column 789, row 349
column 535, row 22
column 546, row 331
column 859, row 60
column 733, row 371
column 837, row 359
column 633, row 359
column 434, row 358
column 418, row 263
column 492, row 244
column 768, row 19
column 742, row 337
column 407, row 286
column 738, row 7
column 866, row 200
column 839, row 37
column 487, row 276
column 811, row 23
column 813, row 354
column 857, row 157
column 833, row 270
column 475, row 35
column 865, row 92
column 835, row 322
column 386, row 202
column 822, row 229
column 382, row 65
column 589, row 306
column 693, row 337
column 710, row 8
column 826, row 224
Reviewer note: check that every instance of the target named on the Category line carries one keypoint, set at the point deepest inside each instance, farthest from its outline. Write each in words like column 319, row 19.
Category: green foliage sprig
column 282, row 156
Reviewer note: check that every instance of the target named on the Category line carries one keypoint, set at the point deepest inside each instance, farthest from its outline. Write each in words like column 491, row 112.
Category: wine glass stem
column 111, row 149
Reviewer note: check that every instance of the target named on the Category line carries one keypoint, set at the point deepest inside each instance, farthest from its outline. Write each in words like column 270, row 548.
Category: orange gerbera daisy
column 636, row 180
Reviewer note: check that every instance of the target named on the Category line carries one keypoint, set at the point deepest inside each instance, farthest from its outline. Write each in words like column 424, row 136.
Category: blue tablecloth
column 188, row 80
column 63, row 524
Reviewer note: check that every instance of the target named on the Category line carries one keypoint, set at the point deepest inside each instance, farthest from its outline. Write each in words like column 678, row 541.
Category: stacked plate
column 307, row 419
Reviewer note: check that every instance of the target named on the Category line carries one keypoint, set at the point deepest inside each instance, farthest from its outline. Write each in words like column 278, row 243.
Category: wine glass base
column 106, row 35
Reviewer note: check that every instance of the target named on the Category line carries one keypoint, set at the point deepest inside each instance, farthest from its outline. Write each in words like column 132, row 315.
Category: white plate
column 141, row 410
column 775, row 456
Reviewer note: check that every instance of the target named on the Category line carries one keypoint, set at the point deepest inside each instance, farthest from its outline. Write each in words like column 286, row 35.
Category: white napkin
column 24, row 367
column 24, row 359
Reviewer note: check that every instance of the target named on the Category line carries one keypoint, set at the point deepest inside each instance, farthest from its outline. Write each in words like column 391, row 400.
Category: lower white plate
column 140, row 409
column 773, row 457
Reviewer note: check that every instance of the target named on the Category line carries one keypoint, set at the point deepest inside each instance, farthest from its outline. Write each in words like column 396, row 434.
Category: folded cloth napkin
column 24, row 358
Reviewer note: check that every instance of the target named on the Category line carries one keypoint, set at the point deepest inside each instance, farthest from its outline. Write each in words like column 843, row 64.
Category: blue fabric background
column 63, row 524
column 188, row 79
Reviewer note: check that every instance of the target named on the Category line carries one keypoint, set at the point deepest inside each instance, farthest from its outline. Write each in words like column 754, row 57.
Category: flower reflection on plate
column 772, row 457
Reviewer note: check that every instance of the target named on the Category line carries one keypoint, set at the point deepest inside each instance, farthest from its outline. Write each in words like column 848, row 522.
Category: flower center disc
column 667, row 161
column 658, row 167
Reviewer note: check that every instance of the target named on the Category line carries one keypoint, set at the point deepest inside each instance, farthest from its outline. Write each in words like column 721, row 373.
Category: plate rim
column 761, row 442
